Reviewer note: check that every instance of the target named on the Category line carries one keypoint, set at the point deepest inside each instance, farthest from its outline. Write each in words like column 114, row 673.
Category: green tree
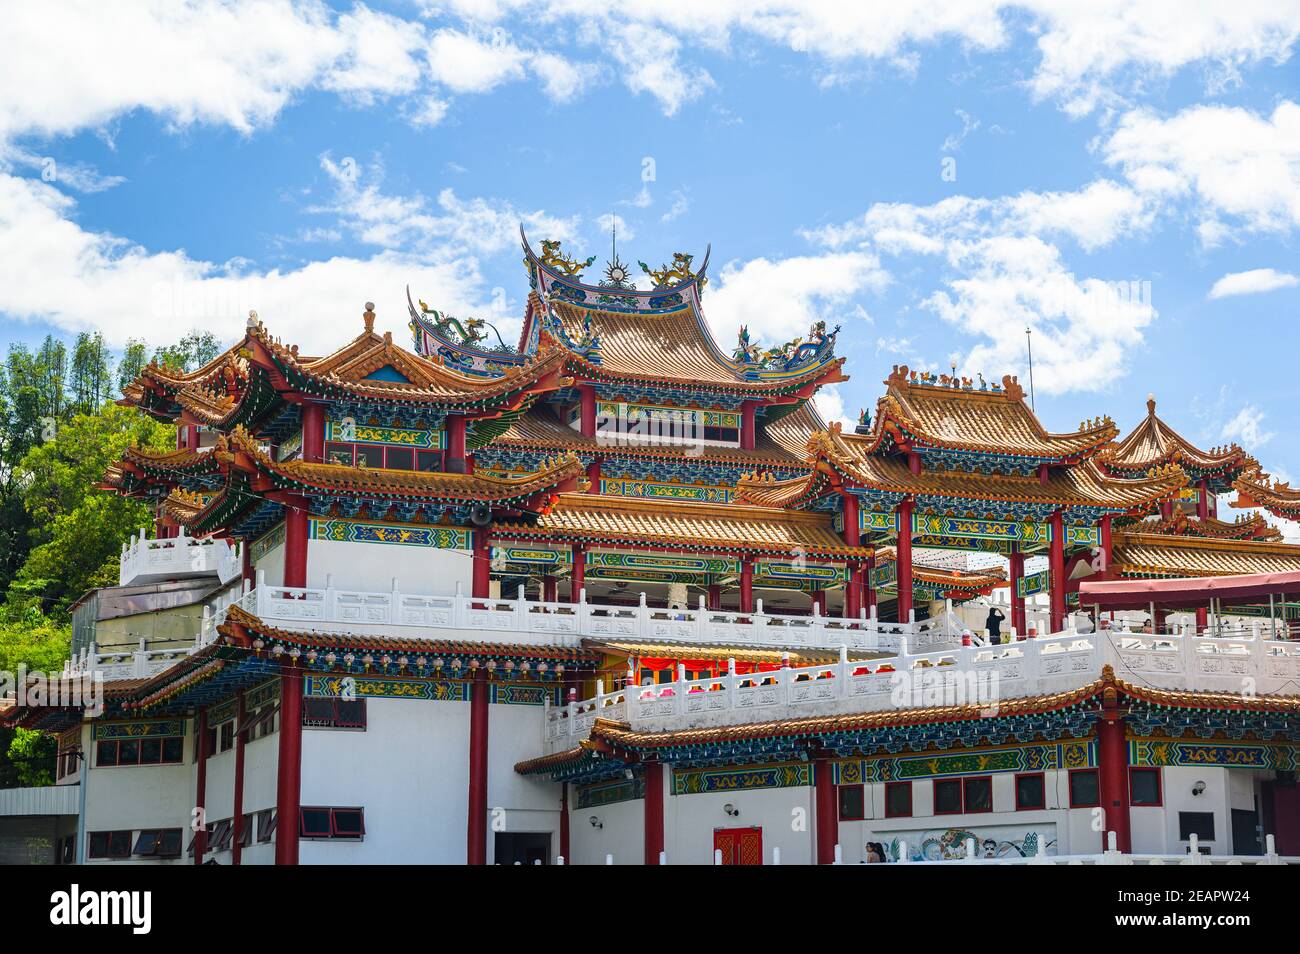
column 190, row 353
column 90, row 379
column 134, row 357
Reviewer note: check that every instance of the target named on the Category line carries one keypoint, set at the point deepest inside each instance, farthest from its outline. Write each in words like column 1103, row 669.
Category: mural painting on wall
column 1003, row 841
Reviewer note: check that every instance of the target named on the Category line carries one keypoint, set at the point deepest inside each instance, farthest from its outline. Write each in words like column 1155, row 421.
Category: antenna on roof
column 1029, row 342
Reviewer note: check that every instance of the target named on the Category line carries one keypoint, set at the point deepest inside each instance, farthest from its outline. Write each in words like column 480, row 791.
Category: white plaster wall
column 272, row 563
column 518, row 803
column 409, row 770
column 1177, row 794
column 784, row 814
column 141, row 796
column 372, row 567
column 622, row 834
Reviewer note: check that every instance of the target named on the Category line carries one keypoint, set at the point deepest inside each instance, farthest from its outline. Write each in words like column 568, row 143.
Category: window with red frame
column 853, row 802
column 328, row 712
column 1085, row 791
column 383, row 456
column 111, row 752
column 1031, row 792
column 958, row 796
column 1144, row 788
column 333, row 823
column 898, row 799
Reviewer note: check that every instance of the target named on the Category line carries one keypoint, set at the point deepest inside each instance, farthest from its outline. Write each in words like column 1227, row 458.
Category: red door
column 739, row 846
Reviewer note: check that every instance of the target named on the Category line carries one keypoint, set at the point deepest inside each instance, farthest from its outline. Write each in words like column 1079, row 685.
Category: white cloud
column 650, row 62
column 1241, row 169
column 562, row 80
column 379, row 58
column 779, row 300
column 449, row 227
column 465, row 63
column 680, row 204
column 1247, row 428
column 1252, row 282
column 53, row 270
column 829, row 403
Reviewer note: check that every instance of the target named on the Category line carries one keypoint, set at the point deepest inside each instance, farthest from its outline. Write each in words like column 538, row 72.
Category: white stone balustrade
column 975, row 675
column 147, row 560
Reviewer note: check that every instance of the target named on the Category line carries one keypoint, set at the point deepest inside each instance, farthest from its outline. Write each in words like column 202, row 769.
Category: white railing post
column 842, row 675
column 904, row 857
column 839, row 855
column 776, row 854
column 642, row 616
column 394, row 602
column 680, row 689
column 459, row 610
column 521, row 608
column 584, row 611
column 702, row 620
column 731, row 682
column 717, row 857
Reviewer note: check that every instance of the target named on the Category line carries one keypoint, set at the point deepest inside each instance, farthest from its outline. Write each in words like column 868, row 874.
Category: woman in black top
column 994, row 625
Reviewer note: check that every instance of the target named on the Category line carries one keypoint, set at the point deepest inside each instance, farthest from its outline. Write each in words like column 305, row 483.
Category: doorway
column 739, row 846
column 523, row 847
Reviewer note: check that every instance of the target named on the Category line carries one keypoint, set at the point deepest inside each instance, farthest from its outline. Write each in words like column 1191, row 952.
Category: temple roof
column 1246, row 527
column 616, row 332
column 848, row 459
column 1153, row 442
column 1160, row 555
column 1257, row 489
column 243, row 476
column 369, row 368
column 695, row 527
column 923, row 411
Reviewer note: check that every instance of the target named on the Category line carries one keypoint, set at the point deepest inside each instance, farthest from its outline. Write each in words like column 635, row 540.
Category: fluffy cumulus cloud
column 1240, row 169
column 1252, row 282
column 998, row 271
column 779, row 300
column 53, row 270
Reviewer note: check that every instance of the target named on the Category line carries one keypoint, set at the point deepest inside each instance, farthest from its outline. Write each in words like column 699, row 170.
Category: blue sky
column 1124, row 178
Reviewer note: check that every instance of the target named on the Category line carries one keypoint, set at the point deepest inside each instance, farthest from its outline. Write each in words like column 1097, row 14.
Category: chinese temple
column 613, row 592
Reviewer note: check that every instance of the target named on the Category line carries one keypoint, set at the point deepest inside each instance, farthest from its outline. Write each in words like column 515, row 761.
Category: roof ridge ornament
column 677, row 272
column 552, row 257
column 369, row 317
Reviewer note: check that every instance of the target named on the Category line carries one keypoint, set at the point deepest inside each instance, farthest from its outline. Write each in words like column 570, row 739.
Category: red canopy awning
column 1139, row 594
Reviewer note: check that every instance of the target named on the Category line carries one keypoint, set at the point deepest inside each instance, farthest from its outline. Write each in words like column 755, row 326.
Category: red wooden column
column 578, row 572
column 564, row 823
column 819, row 601
column 747, row 430
column 868, row 588
column 1056, row 572
column 903, row 552
column 714, row 601
column 593, row 475
column 476, row 822
column 548, row 588
column 288, row 784
column 201, row 786
column 1112, row 762
column 853, row 592
column 1103, row 531
column 313, row 433
column 481, row 582
column 455, row 454
column 852, row 528
column 654, row 811
column 296, row 525
column 587, row 410
column 1203, row 500
column 1016, row 574
column 826, row 810
column 236, row 845
column 747, row 585
column 1202, row 619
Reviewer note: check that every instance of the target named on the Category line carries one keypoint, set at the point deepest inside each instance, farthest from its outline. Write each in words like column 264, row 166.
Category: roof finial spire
column 369, row 317
column 1151, row 405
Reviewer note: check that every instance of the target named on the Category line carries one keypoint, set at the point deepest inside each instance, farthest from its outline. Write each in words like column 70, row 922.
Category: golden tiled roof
column 675, row 347
column 1154, row 442
column 1161, row 555
column 1084, row 484
column 1251, row 526
column 633, row 521
column 943, row 416
column 1256, row 489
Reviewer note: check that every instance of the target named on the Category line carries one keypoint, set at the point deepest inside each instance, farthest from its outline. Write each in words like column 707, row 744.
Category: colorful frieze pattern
column 1033, row 583
column 1070, row 754
column 702, row 781
column 664, row 415
column 803, row 572
column 531, row 556
column 265, row 694
column 223, row 712
column 351, row 431
column 267, row 542
column 650, row 394
column 622, row 487
column 938, row 458
column 1211, row 725
column 609, row 793
column 968, row 528
column 158, row 729
column 290, row 446
column 662, row 561
column 383, row 415
column 1158, row 753
column 876, row 521
column 430, row 690
column 510, row 694
column 352, row 531
column 884, row 575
